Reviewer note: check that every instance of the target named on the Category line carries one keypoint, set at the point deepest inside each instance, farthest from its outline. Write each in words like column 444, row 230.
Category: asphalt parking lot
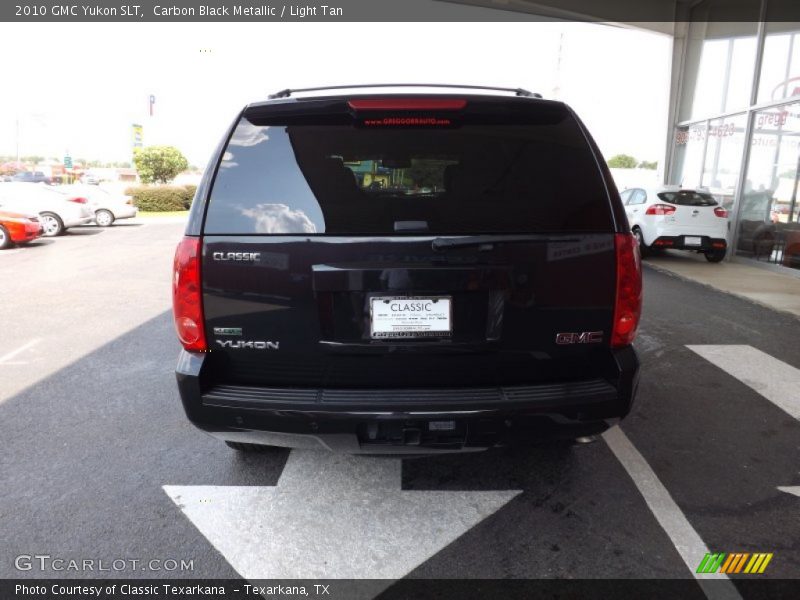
column 100, row 462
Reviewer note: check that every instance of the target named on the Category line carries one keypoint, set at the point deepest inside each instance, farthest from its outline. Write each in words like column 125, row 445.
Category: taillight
column 407, row 104
column 628, row 304
column 78, row 200
column 721, row 212
column 187, row 301
column 660, row 209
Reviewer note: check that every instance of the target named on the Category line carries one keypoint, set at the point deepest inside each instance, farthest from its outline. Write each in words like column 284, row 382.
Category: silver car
column 57, row 211
column 106, row 205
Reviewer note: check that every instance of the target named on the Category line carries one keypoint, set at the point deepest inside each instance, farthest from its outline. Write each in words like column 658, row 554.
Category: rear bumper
column 123, row 212
column 20, row 233
column 414, row 420
column 680, row 242
column 678, row 229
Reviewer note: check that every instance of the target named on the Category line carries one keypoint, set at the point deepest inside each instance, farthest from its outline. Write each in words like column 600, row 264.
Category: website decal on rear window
column 405, row 121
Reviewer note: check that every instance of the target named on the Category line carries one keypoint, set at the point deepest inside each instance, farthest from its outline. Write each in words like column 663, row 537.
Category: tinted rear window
column 688, row 198
column 344, row 179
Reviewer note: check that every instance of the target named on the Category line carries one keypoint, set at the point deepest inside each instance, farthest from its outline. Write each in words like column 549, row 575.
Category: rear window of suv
column 340, row 179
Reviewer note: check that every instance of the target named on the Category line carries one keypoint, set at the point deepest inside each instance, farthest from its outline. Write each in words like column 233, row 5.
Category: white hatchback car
column 57, row 212
column 106, row 205
column 674, row 217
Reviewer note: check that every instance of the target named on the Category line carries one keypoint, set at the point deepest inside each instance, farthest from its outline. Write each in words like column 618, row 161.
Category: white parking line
column 686, row 540
column 774, row 379
column 13, row 353
column 795, row 489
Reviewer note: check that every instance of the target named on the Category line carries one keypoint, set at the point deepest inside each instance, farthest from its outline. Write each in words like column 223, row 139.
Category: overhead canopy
column 654, row 15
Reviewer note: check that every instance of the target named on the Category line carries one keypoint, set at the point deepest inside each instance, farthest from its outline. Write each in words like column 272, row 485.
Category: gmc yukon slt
column 384, row 272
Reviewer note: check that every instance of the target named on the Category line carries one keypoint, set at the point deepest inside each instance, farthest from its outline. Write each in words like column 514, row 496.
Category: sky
column 78, row 88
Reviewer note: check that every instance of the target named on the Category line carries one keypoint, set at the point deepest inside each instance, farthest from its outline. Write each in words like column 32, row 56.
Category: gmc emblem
column 583, row 337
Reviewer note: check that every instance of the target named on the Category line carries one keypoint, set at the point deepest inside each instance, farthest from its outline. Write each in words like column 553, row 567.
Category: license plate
column 410, row 317
column 692, row 241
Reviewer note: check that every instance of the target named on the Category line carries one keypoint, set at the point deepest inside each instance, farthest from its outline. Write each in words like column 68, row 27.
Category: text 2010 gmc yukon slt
column 406, row 272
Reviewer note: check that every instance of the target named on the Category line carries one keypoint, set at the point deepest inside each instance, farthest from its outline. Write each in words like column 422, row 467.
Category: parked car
column 17, row 228
column 91, row 179
column 31, row 177
column 678, row 218
column 107, row 207
column 780, row 213
column 56, row 211
column 490, row 295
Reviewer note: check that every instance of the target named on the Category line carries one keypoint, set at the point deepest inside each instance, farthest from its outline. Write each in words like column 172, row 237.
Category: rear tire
column 250, row 448
column 52, row 224
column 715, row 256
column 104, row 218
column 5, row 238
column 644, row 250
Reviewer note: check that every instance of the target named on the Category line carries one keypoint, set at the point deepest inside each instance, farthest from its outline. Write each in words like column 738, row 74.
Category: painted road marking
column 332, row 516
column 774, row 379
column 686, row 540
column 771, row 378
column 7, row 357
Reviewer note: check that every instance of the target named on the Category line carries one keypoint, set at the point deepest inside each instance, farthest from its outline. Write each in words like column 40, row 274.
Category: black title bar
column 382, row 589
column 402, row 11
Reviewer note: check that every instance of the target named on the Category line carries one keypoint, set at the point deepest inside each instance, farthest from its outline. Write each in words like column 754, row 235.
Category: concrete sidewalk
column 768, row 288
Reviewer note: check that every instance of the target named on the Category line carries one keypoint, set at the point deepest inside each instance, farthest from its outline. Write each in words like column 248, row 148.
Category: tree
column 651, row 165
column 425, row 173
column 622, row 161
column 159, row 164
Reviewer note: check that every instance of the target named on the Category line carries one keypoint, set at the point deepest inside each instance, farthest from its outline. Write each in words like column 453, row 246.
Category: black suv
column 395, row 272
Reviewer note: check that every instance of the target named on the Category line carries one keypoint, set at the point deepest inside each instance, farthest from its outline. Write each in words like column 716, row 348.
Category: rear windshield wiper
column 491, row 240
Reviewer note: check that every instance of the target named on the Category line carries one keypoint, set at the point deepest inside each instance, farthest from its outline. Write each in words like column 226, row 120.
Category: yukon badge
column 581, row 337
column 242, row 344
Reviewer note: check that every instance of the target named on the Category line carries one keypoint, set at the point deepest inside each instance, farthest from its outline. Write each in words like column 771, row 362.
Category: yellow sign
column 137, row 135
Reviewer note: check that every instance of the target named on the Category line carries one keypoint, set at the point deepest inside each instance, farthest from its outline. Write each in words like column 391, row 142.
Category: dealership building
column 736, row 128
column 734, row 110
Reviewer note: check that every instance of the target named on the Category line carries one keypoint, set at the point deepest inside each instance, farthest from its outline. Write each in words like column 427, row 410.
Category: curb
column 759, row 303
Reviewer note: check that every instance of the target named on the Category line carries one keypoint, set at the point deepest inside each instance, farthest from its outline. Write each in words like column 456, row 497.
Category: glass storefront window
column 690, row 141
column 723, row 157
column 711, row 145
column 720, row 62
column 768, row 212
column 780, row 68
column 725, row 77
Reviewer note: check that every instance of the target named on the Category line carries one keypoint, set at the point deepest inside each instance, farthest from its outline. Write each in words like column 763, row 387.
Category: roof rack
column 518, row 91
